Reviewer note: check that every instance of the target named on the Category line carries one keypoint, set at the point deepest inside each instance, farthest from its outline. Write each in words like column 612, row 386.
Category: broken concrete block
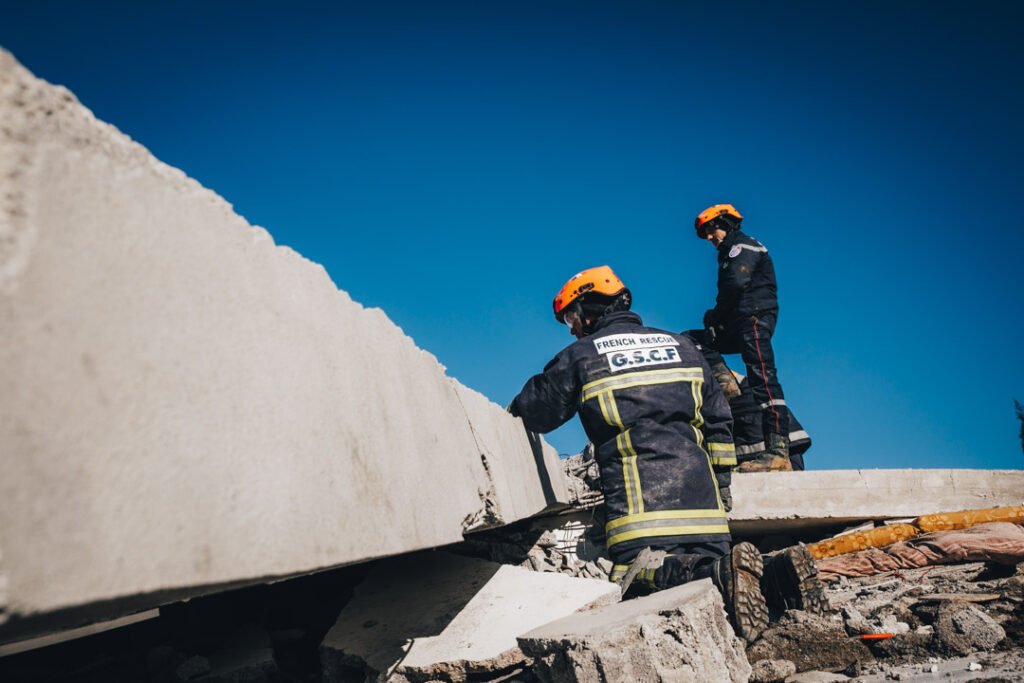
column 963, row 628
column 178, row 390
column 438, row 616
column 680, row 634
column 771, row 670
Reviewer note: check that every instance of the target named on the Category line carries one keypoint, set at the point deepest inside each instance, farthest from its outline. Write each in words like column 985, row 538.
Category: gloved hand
column 726, row 493
column 710, row 318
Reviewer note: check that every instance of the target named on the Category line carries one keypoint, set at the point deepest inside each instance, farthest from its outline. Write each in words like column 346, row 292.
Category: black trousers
column 751, row 337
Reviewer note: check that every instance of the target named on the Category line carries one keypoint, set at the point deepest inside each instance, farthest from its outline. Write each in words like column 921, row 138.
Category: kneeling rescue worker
column 662, row 432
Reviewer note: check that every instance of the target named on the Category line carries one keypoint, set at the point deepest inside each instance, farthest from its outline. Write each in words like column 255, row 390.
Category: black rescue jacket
column 659, row 423
column 746, row 279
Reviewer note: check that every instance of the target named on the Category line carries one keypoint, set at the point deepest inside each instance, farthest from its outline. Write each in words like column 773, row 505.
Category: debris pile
column 902, row 624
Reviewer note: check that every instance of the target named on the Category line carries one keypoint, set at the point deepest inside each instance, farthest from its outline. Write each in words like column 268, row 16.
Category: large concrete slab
column 680, row 634
column 794, row 502
column 438, row 616
column 185, row 406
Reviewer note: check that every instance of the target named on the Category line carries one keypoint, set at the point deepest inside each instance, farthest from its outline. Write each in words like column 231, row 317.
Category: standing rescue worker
column 661, row 431
column 743, row 321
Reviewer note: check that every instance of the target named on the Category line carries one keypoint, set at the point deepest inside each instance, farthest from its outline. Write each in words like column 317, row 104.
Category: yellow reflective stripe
column 718, row 494
column 636, row 471
column 698, row 420
column 630, row 471
column 667, row 523
column 633, row 379
column 603, row 402
column 663, row 514
column 722, row 454
column 630, row 474
column 701, row 530
column 630, row 505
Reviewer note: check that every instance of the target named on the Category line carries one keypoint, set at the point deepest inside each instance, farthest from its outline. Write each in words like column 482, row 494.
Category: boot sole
column 749, row 610
column 805, row 591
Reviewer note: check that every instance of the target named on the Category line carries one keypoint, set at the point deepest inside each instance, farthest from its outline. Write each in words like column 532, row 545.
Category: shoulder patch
column 735, row 251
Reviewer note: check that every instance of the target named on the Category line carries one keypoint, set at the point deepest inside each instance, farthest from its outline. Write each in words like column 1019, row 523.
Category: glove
column 710, row 318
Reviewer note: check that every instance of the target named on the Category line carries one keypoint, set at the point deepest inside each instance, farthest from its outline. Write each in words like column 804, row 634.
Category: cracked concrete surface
column 188, row 406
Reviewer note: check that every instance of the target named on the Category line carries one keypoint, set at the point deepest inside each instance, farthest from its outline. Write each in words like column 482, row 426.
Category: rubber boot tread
column 795, row 584
column 749, row 610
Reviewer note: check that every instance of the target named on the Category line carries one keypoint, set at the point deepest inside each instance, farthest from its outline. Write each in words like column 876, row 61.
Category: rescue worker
column 661, row 433
column 743, row 321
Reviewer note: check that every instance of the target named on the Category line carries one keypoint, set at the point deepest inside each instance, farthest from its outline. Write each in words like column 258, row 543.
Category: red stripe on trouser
column 764, row 377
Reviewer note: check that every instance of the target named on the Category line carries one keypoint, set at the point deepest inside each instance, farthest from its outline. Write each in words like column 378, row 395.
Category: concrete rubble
column 443, row 617
column 680, row 634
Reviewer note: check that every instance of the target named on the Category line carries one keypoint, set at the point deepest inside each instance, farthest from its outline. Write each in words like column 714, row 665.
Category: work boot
column 790, row 581
column 774, row 459
column 737, row 575
column 767, row 462
column 730, row 387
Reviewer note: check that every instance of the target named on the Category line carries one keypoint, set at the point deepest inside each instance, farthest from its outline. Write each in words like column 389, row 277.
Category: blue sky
column 455, row 162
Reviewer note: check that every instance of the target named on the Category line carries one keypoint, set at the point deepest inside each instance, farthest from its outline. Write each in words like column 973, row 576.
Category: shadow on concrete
column 403, row 600
column 537, row 446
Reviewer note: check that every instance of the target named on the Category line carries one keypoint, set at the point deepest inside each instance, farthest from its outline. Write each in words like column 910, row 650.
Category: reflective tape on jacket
column 666, row 523
column 773, row 402
column 619, row 571
column 639, row 379
column 750, row 448
column 722, row 454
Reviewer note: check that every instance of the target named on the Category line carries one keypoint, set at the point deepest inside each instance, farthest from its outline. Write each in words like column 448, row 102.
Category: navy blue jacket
column 746, row 280
column 659, row 423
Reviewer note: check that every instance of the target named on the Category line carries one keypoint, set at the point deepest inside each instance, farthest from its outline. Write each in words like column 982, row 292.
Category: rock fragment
column 771, row 670
column 963, row 628
column 680, row 634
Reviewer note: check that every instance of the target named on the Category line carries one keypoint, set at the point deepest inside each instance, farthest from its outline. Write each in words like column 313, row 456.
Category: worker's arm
column 550, row 399
column 718, row 434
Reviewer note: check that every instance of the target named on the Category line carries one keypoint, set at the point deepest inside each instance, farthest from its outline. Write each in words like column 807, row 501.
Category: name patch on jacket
column 626, row 351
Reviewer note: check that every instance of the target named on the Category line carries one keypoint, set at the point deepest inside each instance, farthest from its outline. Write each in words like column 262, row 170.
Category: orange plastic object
column 876, row 636
column 944, row 521
column 714, row 212
column 601, row 280
column 862, row 540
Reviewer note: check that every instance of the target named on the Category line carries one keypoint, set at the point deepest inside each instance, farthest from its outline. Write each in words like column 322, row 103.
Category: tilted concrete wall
column 185, row 406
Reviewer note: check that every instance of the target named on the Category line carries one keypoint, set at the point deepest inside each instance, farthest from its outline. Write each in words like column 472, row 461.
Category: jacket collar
column 730, row 239
column 617, row 318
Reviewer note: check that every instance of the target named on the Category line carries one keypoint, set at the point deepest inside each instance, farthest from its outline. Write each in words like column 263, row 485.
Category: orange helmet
column 600, row 280
column 711, row 213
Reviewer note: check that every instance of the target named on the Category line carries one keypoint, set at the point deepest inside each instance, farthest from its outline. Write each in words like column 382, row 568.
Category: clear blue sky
column 455, row 162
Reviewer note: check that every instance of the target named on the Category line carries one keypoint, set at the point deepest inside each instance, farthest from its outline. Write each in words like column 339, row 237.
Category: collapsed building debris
column 444, row 617
column 680, row 634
